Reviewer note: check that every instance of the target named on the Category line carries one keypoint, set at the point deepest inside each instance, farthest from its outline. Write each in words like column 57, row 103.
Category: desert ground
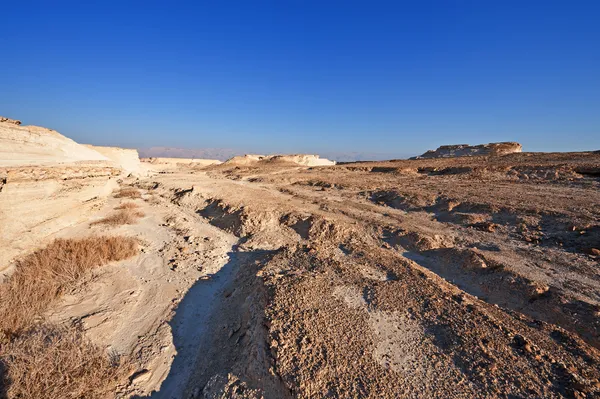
column 470, row 272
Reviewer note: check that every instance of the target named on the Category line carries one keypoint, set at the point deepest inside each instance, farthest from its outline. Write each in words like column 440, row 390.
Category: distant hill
column 466, row 150
column 224, row 154
column 363, row 156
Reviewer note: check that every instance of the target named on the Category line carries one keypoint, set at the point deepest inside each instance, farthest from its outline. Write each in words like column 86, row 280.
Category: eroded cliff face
column 34, row 145
column 466, row 150
column 127, row 159
column 38, row 201
column 47, row 182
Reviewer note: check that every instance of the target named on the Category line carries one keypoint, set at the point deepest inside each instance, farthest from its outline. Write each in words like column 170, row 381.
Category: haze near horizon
column 379, row 78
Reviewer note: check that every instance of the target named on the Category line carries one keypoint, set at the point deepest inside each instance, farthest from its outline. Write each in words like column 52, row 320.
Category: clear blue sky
column 393, row 77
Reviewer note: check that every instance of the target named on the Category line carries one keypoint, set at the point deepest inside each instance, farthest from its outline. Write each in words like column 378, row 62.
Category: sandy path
column 190, row 325
column 154, row 307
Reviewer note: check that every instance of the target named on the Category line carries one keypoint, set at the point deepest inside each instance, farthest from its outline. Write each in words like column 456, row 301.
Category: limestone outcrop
column 181, row 161
column 39, row 201
column 298, row 159
column 127, row 159
column 34, row 145
column 158, row 164
column 8, row 120
column 47, row 182
column 466, row 150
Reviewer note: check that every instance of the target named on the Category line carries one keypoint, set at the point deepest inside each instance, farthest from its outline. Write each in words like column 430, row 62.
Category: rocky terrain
column 275, row 277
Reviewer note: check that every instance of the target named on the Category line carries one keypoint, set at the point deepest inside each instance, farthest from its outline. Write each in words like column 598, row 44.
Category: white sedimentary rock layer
column 33, row 145
column 47, row 183
column 181, row 161
column 299, row 159
column 127, row 159
column 166, row 164
column 38, row 201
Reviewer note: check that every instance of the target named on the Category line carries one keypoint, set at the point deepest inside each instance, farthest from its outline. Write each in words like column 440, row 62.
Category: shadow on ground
column 3, row 382
column 194, row 314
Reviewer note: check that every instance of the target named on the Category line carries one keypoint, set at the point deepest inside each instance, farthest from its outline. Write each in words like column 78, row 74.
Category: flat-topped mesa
column 298, row 159
column 466, row 150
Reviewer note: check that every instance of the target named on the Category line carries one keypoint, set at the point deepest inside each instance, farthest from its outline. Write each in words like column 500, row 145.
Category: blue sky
column 306, row 76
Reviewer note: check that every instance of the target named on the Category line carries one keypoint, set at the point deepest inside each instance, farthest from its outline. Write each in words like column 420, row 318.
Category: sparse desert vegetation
column 42, row 276
column 54, row 362
column 40, row 360
column 124, row 216
column 128, row 192
column 127, row 205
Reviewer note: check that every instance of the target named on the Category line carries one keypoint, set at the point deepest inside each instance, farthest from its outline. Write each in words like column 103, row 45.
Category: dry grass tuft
column 128, row 205
column 124, row 216
column 38, row 361
column 50, row 362
column 41, row 277
column 128, row 193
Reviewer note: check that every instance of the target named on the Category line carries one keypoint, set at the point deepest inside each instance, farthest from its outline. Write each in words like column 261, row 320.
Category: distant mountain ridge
column 223, row 154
